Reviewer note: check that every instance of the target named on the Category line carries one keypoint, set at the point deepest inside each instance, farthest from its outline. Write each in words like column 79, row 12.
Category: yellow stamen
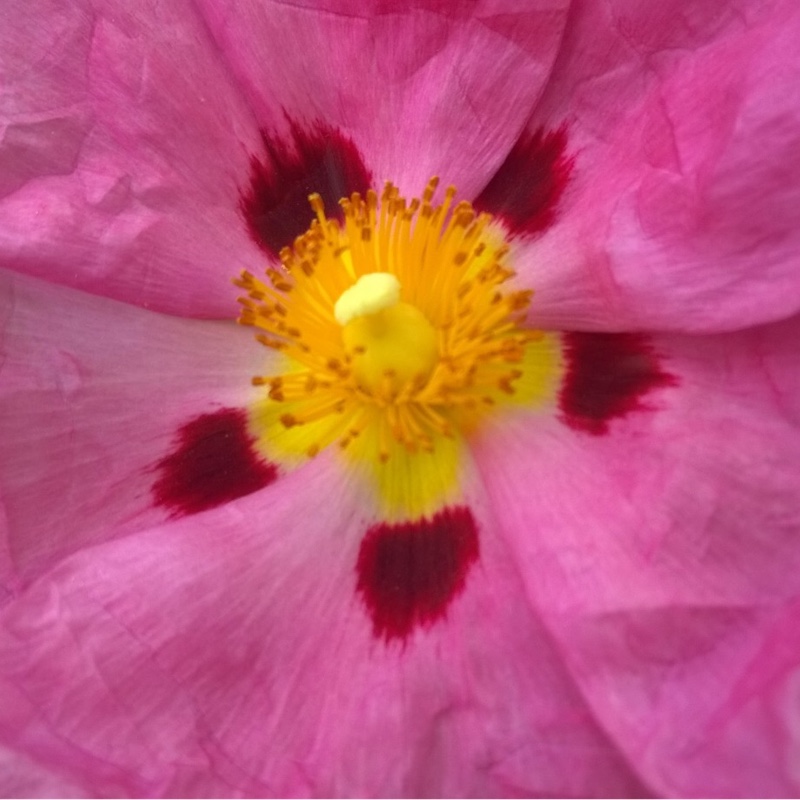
column 396, row 328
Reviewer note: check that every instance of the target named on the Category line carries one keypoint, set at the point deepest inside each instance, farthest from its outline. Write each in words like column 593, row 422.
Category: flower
column 587, row 587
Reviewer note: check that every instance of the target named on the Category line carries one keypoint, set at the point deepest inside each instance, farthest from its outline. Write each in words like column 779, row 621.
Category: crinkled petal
column 229, row 654
column 124, row 147
column 22, row 776
column 683, row 123
column 93, row 395
column 663, row 558
column 430, row 88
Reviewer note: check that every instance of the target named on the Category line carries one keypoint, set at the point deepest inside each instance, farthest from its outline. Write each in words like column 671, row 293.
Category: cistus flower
column 494, row 488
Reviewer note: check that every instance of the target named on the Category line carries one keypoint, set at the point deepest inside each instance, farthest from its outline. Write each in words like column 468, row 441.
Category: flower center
column 395, row 324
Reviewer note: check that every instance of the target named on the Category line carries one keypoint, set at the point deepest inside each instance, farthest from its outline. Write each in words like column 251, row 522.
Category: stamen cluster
column 450, row 266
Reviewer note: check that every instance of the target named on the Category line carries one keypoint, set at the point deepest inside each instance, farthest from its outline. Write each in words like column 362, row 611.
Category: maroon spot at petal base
column 275, row 204
column 608, row 375
column 526, row 189
column 213, row 463
column 409, row 573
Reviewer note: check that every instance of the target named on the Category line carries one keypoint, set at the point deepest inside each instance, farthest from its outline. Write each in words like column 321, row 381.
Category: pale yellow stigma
column 369, row 294
column 396, row 325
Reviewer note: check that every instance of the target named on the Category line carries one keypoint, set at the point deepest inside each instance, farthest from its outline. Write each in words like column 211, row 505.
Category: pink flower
column 214, row 586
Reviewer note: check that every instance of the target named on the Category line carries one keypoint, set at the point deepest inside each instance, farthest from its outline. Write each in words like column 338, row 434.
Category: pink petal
column 663, row 559
column 125, row 146
column 429, row 89
column 94, row 394
column 21, row 776
column 680, row 211
column 230, row 654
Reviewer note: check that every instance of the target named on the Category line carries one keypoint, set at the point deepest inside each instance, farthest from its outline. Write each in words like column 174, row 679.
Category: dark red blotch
column 525, row 191
column 608, row 376
column 213, row 462
column 408, row 573
column 317, row 159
